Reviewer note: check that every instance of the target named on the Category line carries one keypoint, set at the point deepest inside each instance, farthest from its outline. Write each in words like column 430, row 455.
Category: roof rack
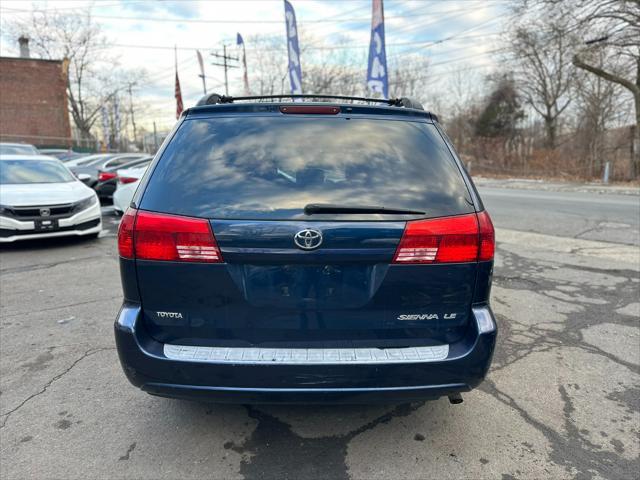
column 214, row 98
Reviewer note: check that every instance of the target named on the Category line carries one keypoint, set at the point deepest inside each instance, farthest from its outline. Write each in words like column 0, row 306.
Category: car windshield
column 33, row 171
column 9, row 149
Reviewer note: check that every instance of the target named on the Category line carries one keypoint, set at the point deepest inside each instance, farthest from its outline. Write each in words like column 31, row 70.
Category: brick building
column 33, row 101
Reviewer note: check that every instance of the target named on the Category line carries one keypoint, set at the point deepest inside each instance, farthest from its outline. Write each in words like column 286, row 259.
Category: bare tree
column 545, row 74
column 334, row 71
column 613, row 27
column 407, row 75
column 607, row 46
column 266, row 57
column 76, row 38
column 599, row 104
column 326, row 69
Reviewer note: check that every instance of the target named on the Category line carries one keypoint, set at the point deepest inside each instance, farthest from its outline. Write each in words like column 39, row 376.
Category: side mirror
column 84, row 177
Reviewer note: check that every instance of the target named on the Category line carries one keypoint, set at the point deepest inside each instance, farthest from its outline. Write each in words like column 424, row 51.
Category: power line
column 226, row 21
column 426, row 43
column 450, row 15
column 83, row 7
column 455, row 35
column 332, row 19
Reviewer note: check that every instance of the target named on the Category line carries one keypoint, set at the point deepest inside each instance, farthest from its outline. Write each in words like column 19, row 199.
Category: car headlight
column 6, row 211
column 86, row 203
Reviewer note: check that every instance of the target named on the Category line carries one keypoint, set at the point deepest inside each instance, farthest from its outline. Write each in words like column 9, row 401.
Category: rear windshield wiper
column 331, row 208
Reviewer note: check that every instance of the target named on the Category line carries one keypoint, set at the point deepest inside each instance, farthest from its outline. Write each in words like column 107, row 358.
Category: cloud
column 180, row 9
column 410, row 28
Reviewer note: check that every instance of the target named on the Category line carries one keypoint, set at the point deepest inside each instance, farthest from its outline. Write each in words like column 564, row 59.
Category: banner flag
column 245, row 76
column 377, row 78
column 178, row 92
column 295, row 69
column 201, row 62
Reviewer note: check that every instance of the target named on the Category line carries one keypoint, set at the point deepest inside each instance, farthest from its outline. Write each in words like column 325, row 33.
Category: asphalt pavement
column 562, row 399
column 590, row 216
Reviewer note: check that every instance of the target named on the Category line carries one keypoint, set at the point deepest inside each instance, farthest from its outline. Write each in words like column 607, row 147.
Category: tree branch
column 606, row 75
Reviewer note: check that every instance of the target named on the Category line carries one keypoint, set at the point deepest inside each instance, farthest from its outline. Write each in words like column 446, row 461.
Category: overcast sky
column 142, row 33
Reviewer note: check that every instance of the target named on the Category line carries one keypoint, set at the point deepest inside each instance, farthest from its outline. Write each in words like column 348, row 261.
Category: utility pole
column 155, row 138
column 226, row 65
column 133, row 121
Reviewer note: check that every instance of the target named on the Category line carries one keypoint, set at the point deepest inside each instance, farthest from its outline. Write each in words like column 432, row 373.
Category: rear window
column 271, row 167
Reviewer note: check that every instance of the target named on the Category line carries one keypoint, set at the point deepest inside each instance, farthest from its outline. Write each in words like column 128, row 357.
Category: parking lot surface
column 562, row 399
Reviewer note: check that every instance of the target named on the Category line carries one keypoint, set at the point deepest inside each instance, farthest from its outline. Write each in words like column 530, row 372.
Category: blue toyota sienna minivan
column 313, row 252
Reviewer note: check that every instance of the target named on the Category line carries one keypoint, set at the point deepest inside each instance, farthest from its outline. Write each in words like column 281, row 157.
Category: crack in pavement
column 128, row 453
column 86, row 354
column 539, row 339
column 267, row 453
column 46, row 266
column 572, row 450
column 48, row 309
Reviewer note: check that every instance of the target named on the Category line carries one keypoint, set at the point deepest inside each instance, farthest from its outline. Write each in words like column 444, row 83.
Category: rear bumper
column 249, row 381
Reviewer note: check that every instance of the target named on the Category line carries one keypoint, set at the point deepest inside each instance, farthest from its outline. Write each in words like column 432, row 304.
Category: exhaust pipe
column 455, row 398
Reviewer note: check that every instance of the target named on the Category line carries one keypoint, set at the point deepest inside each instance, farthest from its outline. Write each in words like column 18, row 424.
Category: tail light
column 155, row 236
column 464, row 238
column 127, row 179
column 125, row 234
column 487, row 237
column 104, row 176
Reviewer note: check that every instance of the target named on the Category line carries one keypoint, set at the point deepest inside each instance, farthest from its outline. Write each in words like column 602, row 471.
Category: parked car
column 40, row 198
column 128, row 181
column 61, row 154
column 93, row 167
column 86, row 159
column 306, row 252
column 18, row 149
column 108, row 177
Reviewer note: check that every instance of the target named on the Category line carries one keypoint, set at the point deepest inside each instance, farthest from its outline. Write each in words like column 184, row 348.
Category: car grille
column 31, row 213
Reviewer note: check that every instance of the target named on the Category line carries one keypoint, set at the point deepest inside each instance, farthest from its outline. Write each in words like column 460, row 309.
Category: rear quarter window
column 270, row 167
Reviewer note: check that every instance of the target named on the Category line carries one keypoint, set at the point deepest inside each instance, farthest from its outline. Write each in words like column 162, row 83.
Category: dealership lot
column 562, row 399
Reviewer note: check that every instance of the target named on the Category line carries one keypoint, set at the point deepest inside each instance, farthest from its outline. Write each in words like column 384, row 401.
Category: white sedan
column 128, row 181
column 41, row 198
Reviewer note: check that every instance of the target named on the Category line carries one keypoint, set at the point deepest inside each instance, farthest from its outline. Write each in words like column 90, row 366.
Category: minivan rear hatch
column 306, row 215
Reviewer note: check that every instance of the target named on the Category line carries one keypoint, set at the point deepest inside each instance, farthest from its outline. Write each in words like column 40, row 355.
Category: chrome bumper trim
column 308, row 356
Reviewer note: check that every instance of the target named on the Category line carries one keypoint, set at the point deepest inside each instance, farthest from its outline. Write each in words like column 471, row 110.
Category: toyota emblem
column 308, row 239
column 45, row 212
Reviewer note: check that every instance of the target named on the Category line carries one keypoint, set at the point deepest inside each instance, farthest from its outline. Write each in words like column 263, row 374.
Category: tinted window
column 33, row 171
column 271, row 167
